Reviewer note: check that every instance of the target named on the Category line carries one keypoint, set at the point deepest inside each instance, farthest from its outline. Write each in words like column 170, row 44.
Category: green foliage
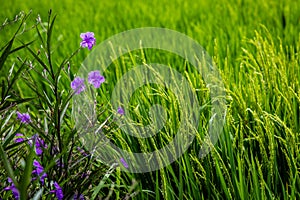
column 256, row 46
column 49, row 108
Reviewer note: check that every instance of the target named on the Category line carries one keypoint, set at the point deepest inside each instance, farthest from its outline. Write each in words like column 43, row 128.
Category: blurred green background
column 225, row 22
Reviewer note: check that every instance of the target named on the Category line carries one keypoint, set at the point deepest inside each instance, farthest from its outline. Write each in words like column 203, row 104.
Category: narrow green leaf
column 15, row 77
column 3, row 88
column 102, row 182
column 37, row 58
column 24, row 100
column 63, row 63
column 222, row 179
column 38, row 194
column 6, row 120
column 7, row 50
column 9, row 137
column 26, row 178
column 9, row 147
column 7, row 165
column 40, row 36
column 40, row 95
column 49, row 34
column 5, row 53
column 21, row 47
column 255, row 181
column 62, row 114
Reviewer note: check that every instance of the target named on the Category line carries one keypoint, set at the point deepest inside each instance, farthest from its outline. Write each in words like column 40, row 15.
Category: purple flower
column 80, row 197
column 78, row 85
column 13, row 189
column 88, row 40
column 39, row 144
column 39, row 171
column 124, row 162
column 39, row 168
column 120, row 110
column 20, row 138
column 95, row 78
column 23, row 117
column 58, row 191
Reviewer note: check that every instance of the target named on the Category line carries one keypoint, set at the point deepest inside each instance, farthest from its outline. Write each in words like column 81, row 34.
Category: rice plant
column 255, row 46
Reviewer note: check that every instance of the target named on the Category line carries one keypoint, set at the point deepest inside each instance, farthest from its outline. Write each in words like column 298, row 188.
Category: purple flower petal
column 10, row 180
column 124, row 162
column 23, row 117
column 120, row 110
column 19, row 134
column 78, row 85
column 88, row 40
column 7, row 188
column 13, row 189
column 20, row 138
column 39, row 171
column 95, row 78
column 38, row 151
column 16, row 193
column 58, row 191
column 39, row 168
column 42, row 179
column 39, row 144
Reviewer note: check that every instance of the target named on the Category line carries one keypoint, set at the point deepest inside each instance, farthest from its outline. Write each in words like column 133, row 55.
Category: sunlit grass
column 256, row 48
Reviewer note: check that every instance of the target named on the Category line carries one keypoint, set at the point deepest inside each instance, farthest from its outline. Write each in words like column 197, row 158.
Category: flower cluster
column 39, row 145
column 39, row 171
column 39, row 142
column 94, row 78
column 23, row 117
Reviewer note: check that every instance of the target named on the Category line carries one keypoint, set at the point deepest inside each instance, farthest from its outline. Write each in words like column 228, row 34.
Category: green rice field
column 255, row 47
